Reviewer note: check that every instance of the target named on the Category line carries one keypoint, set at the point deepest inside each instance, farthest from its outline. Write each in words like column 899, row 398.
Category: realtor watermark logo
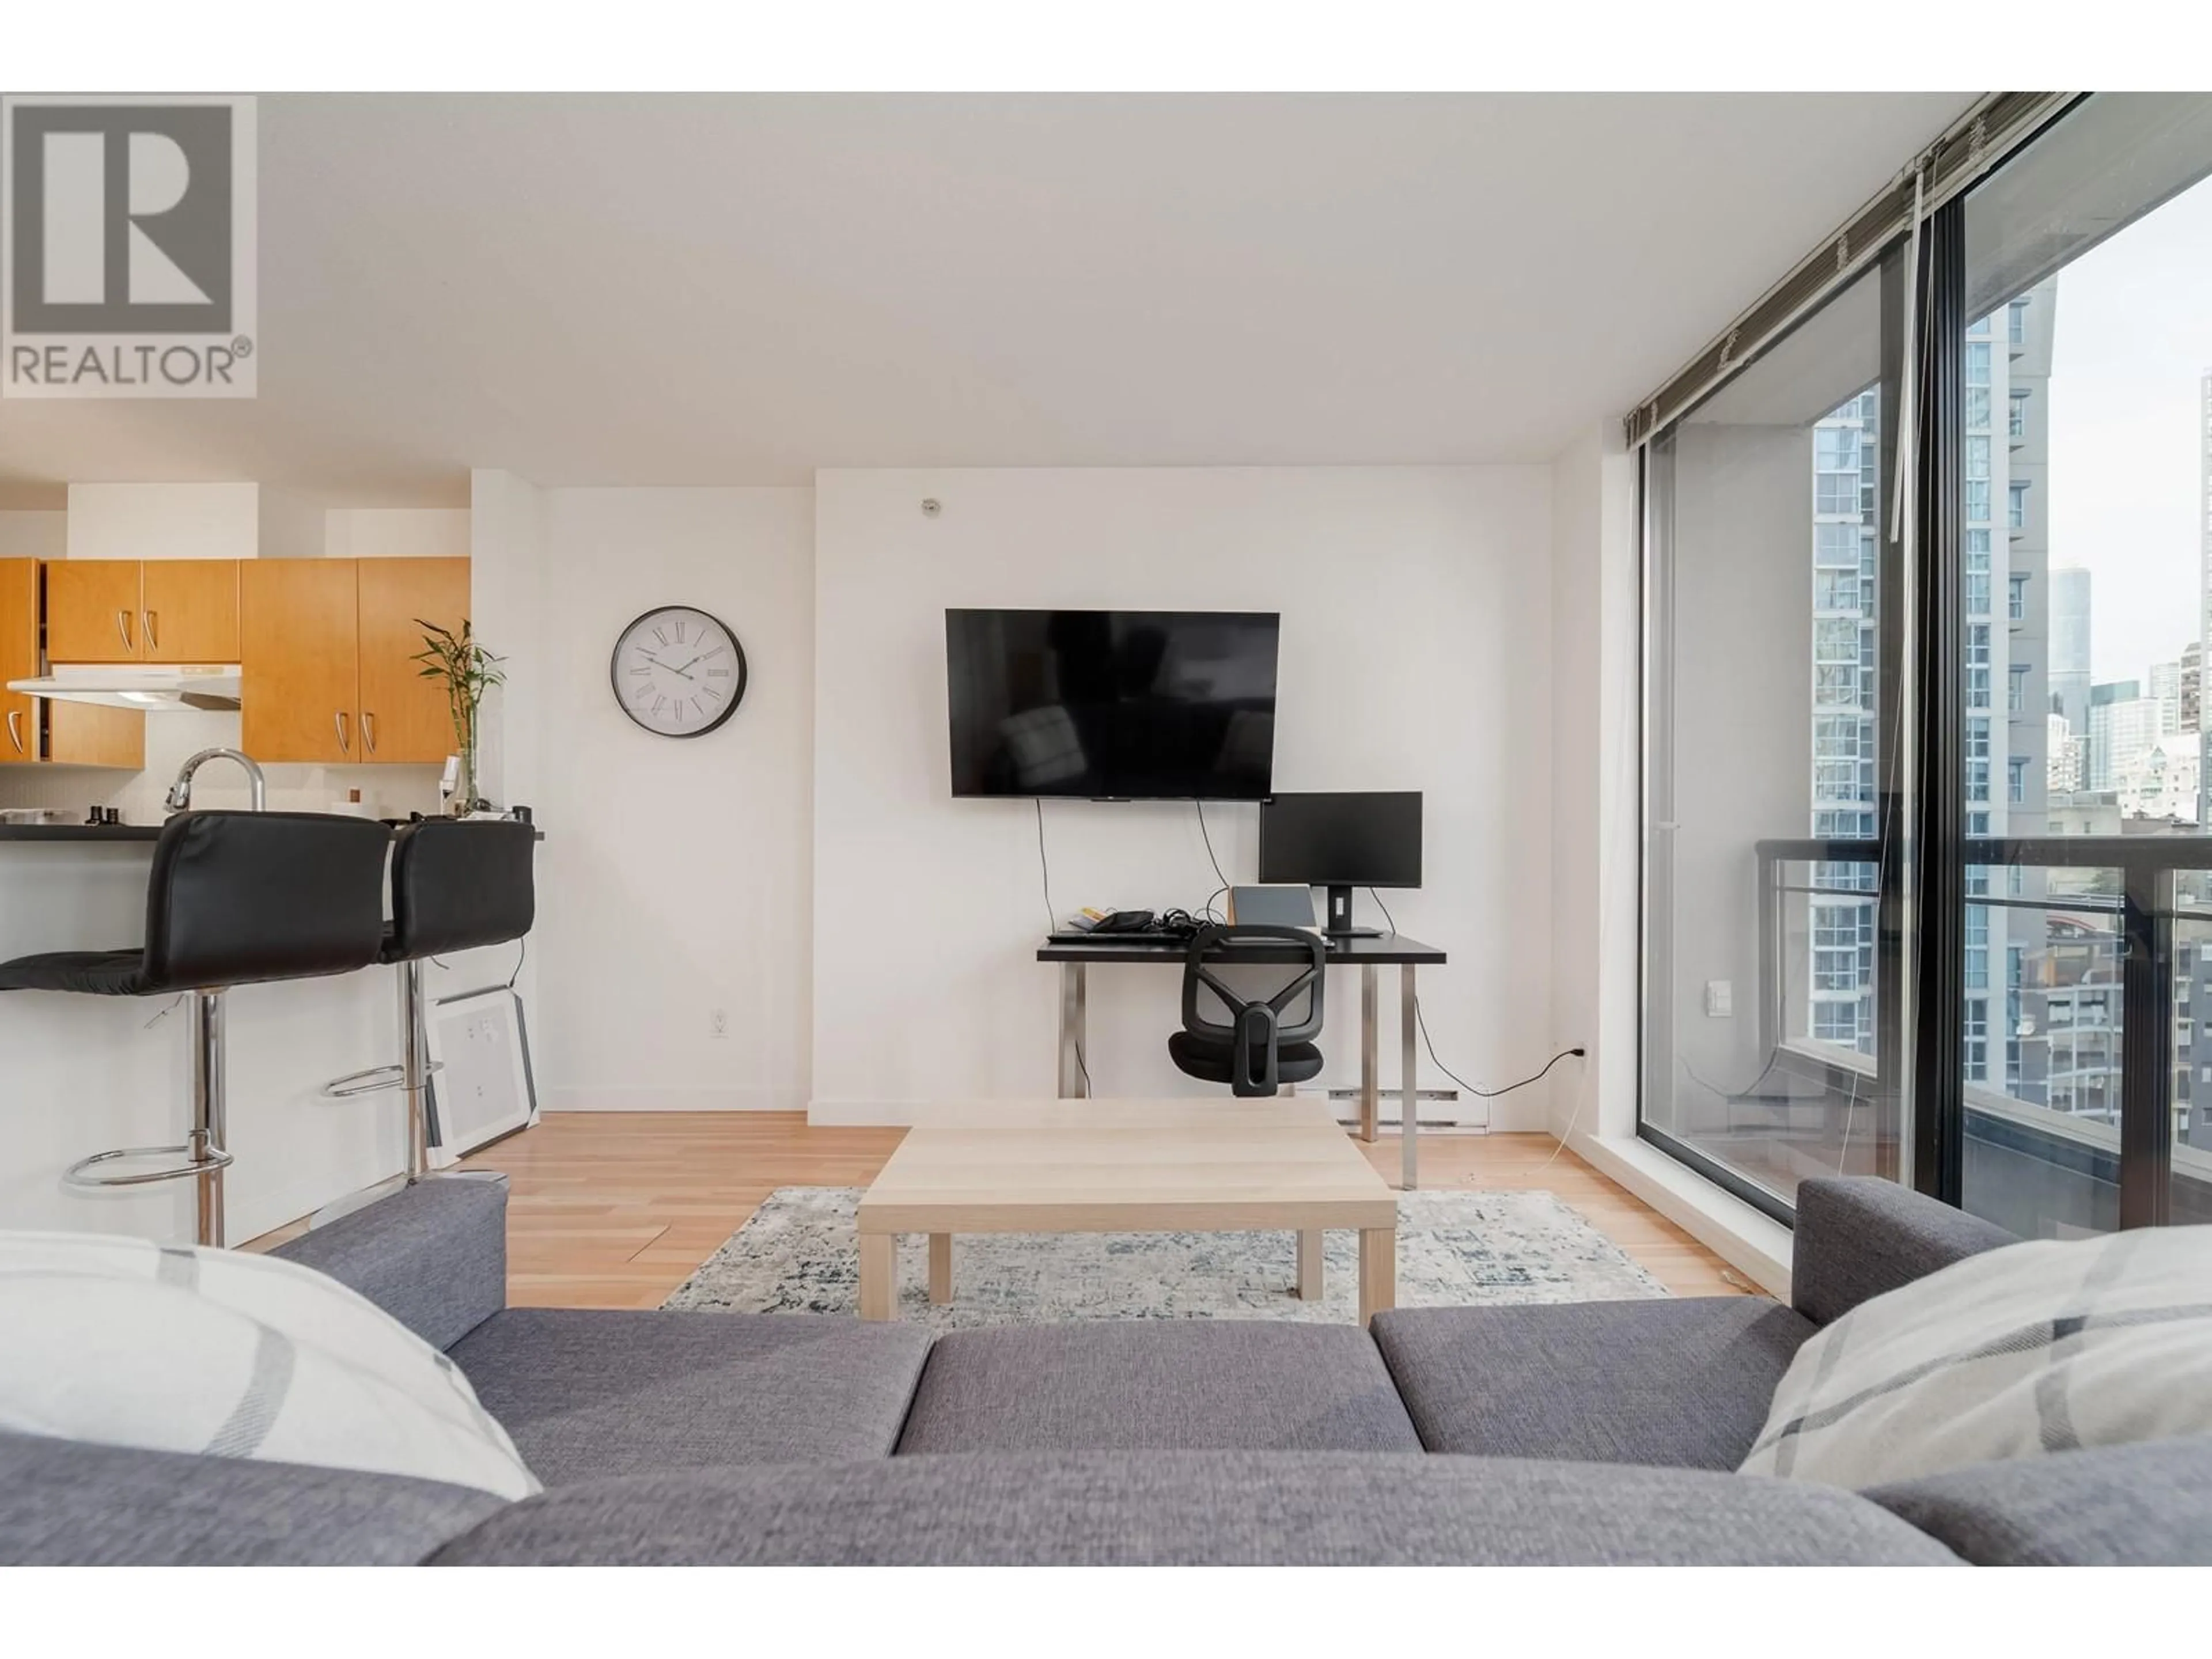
column 127, row 247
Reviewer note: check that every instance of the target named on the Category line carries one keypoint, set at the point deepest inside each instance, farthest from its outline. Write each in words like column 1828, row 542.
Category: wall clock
column 677, row 672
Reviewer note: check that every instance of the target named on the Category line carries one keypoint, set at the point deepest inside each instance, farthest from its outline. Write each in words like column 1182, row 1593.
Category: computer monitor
column 1341, row 841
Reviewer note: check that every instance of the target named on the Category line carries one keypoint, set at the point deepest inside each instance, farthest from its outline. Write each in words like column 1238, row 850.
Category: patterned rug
column 798, row 1254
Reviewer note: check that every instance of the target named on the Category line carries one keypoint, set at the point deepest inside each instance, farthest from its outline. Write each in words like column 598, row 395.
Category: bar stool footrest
column 78, row 1173
column 393, row 1075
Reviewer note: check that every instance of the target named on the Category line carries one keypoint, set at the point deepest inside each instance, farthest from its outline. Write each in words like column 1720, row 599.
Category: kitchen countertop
column 91, row 832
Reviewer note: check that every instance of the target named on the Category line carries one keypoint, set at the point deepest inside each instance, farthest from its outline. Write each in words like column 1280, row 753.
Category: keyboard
column 1119, row 936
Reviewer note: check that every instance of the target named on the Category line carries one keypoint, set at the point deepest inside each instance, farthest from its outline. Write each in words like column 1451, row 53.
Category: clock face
column 677, row 672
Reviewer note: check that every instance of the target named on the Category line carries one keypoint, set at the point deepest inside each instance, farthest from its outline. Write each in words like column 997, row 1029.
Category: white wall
column 396, row 532
column 34, row 534
column 164, row 521
column 676, row 873
column 1595, row 784
column 1416, row 641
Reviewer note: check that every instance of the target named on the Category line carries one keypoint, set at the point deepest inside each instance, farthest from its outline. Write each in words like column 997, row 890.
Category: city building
column 2063, row 773
column 2165, row 682
column 2123, row 728
column 2161, row 782
column 2069, row 645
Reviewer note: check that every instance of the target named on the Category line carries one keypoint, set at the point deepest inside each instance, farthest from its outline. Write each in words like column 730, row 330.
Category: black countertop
column 91, row 832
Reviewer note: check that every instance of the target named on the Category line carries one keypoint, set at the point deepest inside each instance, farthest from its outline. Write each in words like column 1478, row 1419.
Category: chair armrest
column 1858, row 1237
column 433, row 1255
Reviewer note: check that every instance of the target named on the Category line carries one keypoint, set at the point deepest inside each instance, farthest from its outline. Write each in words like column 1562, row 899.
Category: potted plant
column 467, row 671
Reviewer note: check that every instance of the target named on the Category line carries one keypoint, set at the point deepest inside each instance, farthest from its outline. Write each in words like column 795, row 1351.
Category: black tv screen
column 1113, row 704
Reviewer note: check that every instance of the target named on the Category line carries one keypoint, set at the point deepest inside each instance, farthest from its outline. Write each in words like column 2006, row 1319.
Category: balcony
column 2078, row 1046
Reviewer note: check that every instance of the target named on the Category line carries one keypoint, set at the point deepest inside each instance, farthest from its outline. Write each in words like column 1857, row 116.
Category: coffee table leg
column 879, row 1275
column 940, row 1268
column 1378, row 1271
column 1310, row 1243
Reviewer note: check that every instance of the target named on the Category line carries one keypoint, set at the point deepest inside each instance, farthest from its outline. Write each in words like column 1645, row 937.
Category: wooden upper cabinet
column 148, row 611
column 92, row 611
column 188, row 611
column 19, row 659
column 404, row 717
column 299, row 652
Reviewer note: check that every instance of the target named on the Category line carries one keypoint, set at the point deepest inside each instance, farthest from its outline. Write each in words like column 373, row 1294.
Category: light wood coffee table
column 1129, row 1167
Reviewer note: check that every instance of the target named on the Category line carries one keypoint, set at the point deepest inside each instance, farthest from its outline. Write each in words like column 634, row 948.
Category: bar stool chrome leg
column 210, row 1109
column 412, row 1073
column 205, row 1156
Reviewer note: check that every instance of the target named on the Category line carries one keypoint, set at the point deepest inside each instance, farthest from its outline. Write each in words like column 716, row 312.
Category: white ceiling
column 687, row 290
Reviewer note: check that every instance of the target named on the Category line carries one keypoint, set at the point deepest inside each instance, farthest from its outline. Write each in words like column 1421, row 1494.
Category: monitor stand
column 1340, row 917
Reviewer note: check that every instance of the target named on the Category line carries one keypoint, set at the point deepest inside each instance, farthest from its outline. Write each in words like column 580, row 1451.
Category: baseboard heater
column 1389, row 1099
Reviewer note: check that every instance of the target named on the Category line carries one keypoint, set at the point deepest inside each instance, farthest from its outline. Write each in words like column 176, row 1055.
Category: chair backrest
column 1257, row 1027
column 235, row 898
column 458, row 885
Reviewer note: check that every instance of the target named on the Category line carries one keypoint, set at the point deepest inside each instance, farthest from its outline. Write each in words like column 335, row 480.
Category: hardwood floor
column 615, row 1209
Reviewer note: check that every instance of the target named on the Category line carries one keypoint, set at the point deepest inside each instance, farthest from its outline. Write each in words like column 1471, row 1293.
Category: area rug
column 798, row 1254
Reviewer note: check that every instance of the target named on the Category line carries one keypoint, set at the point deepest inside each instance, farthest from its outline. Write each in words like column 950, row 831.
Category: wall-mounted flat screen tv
column 1136, row 705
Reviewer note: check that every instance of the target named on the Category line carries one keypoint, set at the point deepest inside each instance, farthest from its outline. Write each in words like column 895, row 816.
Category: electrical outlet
column 718, row 1022
column 1719, row 999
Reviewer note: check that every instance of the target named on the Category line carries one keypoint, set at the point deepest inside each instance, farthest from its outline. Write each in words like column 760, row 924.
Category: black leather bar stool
column 457, row 885
column 235, row 898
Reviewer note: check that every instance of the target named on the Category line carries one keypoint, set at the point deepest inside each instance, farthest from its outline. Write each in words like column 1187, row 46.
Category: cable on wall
column 1051, row 920
column 1210, row 859
column 1421, row 1019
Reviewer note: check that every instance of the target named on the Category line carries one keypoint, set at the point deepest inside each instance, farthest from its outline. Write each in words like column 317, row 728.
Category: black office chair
column 234, row 898
column 1256, row 1052
column 456, row 885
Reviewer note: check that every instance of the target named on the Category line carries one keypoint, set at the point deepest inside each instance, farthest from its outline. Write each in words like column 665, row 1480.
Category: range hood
column 152, row 689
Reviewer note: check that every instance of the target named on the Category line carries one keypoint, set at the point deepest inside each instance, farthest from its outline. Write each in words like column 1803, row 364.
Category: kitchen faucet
column 180, row 792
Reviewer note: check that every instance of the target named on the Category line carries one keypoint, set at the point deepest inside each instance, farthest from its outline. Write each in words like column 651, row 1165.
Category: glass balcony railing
column 2088, row 982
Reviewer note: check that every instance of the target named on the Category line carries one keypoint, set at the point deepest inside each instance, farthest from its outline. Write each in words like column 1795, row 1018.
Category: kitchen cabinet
column 19, row 659
column 187, row 611
column 177, row 610
column 92, row 611
column 404, row 717
column 299, row 659
column 34, row 730
column 325, row 649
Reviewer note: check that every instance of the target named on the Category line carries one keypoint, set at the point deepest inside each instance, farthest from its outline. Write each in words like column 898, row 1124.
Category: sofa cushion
column 2119, row 1506
column 1684, row 1383
column 172, row 1348
column 432, row 1254
column 1181, row 1508
column 588, row 1393
column 2018, row 1352
column 1182, row 1384
column 66, row 1503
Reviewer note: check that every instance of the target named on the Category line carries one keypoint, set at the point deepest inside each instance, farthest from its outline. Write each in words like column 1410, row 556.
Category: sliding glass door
column 1775, row 828
column 1928, row 875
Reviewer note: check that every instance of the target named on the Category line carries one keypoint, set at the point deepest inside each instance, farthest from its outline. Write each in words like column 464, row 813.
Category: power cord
column 1051, row 919
column 1421, row 1019
column 1044, row 867
column 1210, row 859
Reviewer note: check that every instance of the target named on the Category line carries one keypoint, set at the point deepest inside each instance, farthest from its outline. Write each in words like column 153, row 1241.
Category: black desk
column 1366, row 954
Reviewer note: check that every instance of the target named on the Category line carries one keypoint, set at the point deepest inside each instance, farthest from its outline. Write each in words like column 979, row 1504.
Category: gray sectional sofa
column 1588, row 1433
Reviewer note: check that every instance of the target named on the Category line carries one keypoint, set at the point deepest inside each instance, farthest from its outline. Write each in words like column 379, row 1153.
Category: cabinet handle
column 345, row 738
column 122, row 628
column 368, row 729
column 15, row 732
column 153, row 642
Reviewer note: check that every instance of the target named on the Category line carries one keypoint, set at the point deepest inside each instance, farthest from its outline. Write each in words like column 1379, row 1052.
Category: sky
column 2133, row 342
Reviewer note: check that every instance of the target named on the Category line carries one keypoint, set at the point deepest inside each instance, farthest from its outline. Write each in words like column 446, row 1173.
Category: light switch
column 1719, row 999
